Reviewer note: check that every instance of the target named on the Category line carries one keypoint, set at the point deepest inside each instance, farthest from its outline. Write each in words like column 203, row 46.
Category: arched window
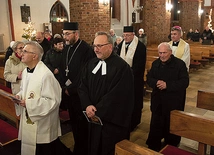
column 115, row 5
column 58, row 13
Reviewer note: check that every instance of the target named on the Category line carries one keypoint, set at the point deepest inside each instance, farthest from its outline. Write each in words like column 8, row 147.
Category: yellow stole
column 180, row 49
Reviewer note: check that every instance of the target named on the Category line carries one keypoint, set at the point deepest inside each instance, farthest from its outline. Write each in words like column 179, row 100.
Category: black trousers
column 79, row 126
column 102, row 139
column 56, row 147
column 159, row 129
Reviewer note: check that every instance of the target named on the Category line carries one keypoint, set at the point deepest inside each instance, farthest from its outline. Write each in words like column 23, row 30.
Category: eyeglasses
column 24, row 52
column 98, row 46
column 126, row 35
column 67, row 33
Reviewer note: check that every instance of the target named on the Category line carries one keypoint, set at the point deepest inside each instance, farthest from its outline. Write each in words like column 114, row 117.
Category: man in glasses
column 180, row 48
column 134, row 53
column 75, row 55
column 107, row 91
column 38, row 105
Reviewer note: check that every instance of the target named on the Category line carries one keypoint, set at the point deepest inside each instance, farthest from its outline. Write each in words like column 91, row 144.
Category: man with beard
column 75, row 55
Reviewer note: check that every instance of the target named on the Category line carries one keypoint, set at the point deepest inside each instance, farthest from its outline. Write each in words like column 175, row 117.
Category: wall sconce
column 104, row 2
column 179, row 11
column 169, row 6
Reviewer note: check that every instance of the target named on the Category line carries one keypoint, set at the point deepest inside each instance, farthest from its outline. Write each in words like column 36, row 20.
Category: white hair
column 141, row 30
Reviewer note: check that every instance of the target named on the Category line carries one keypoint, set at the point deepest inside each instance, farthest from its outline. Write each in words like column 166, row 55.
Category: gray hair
column 109, row 38
column 14, row 47
column 141, row 30
column 165, row 44
column 37, row 47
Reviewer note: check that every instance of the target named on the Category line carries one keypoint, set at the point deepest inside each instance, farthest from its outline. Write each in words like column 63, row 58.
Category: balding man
column 113, row 35
column 40, row 38
column 168, row 78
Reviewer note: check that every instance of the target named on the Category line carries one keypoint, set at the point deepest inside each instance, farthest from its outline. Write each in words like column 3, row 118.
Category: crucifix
column 66, row 74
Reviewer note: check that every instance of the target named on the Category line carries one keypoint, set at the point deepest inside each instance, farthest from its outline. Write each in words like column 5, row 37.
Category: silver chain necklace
column 68, row 62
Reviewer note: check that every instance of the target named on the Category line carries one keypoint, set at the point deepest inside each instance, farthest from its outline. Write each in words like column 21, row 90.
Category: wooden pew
column 205, row 49
column 7, row 108
column 194, row 60
column 126, row 147
column 2, row 80
column 191, row 126
column 205, row 100
column 152, row 51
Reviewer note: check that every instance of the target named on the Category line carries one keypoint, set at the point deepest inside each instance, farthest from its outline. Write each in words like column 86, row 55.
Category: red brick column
column 91, row 15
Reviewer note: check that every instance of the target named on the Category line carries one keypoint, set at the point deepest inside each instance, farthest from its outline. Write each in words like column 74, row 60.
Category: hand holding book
column 95, row 119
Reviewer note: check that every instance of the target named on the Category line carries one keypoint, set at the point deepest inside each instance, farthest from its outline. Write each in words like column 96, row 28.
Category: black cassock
column 113, row 96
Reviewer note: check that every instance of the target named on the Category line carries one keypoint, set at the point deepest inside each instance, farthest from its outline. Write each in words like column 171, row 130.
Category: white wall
column 4, row 23
column 39, row 10
column 125, row 21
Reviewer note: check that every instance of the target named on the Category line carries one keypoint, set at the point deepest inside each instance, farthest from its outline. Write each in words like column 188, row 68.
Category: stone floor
column 201, row 79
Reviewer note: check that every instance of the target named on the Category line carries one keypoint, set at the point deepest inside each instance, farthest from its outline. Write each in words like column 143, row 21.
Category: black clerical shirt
column 175, row 43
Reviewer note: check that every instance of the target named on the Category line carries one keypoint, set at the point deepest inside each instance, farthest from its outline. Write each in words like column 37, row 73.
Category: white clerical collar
column 101, row 63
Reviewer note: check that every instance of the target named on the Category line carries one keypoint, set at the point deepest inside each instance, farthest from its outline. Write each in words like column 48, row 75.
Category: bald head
column 40, row 37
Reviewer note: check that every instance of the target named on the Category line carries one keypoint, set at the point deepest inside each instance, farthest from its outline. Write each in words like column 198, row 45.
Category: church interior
column 20, row 20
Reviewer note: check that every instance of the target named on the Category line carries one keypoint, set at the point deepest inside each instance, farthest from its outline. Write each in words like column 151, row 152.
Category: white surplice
column 42, row 94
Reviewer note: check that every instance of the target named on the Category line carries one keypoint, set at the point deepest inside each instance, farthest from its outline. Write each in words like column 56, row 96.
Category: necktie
column 101, row 63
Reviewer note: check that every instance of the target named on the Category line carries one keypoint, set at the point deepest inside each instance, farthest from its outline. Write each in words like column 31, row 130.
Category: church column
column 190, row 16
column 92, row 16
column 156, row 20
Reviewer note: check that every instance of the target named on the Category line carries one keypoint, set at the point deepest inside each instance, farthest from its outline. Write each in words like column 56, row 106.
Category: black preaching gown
column 113, row 96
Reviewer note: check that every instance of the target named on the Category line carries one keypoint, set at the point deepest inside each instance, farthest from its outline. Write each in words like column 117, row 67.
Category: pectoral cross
column 66, row 74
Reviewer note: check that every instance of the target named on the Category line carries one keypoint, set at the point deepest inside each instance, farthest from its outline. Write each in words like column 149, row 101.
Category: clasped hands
column 90, row 111
column 161, row 84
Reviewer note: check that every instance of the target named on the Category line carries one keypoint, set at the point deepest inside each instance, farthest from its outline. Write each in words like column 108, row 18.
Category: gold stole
column 180, row 49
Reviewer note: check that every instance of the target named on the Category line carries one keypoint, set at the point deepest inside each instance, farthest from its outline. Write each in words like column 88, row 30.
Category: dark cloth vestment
column 209, row 36
column 46, row 45
column 112, row 95
column 52, row 61
column 138, row 67
column 56, row 147
column 82, row 55
column 174, row 73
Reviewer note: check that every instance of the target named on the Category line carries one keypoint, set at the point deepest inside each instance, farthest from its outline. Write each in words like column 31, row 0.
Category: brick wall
column 91, row 16
column 156, row 21
column 189, row 17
